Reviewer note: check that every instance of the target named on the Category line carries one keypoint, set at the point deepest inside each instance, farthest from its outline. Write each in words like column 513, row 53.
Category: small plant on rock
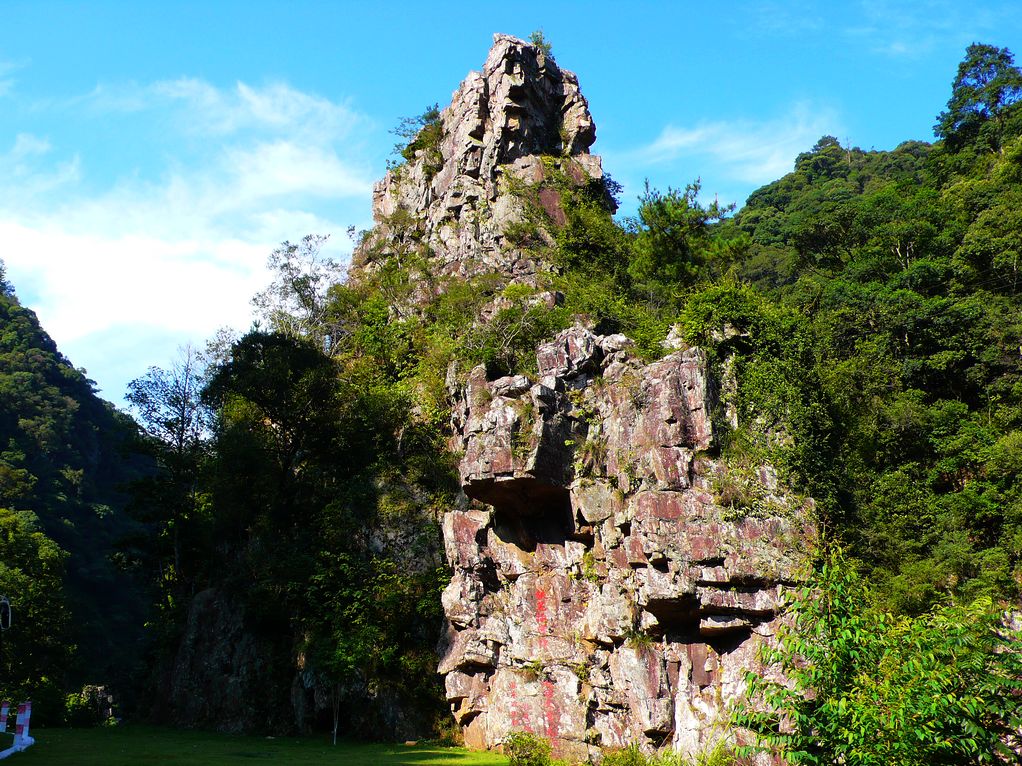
column 638, row 639
column 588, row 567
column 538, row 39
column 423, row 133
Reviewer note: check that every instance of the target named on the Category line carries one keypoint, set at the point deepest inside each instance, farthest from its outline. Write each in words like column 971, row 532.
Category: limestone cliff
column 607, row 588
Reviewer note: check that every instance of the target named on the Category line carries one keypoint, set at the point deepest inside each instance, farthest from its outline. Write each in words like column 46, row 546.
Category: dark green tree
column 286, row 389
column 175, row 424
column 36, row 654
column 984, row 96
column 672, row 235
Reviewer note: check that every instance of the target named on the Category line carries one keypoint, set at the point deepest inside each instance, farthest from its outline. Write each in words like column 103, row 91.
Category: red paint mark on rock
column 519, row 716
column 542, row 619
column 550, row 716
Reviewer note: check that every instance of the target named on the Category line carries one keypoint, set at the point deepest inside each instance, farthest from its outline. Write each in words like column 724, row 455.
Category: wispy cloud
column 147, row 255
column 745, row 151
column 793, row 18
column 899, row 30
column 7, row 69
column 26, row 173
column 198, row 107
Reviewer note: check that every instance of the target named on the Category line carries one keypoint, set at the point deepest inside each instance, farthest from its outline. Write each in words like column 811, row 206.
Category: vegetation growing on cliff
column 867, row 303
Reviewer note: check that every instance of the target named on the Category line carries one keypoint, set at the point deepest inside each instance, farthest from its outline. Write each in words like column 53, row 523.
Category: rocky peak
column 527, row 104
column 453, row 203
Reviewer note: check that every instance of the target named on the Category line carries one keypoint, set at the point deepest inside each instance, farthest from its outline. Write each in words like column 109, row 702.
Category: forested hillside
column 65, row 470
column 900, row 272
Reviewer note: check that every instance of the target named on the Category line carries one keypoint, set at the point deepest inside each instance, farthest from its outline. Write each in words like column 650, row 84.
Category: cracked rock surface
column 602, row 594
column 454, row 201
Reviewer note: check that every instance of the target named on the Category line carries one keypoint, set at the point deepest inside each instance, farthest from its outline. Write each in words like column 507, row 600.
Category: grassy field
column 141, row 745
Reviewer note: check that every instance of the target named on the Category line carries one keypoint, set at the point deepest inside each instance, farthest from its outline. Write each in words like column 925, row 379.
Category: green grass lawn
column 140, row 745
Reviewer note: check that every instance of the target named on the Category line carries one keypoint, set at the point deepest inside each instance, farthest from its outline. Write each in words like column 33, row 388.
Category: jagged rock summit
column 454, row 197
column 613, row 576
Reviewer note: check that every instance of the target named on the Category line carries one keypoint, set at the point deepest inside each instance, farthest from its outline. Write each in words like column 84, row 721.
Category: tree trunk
column 337, row 708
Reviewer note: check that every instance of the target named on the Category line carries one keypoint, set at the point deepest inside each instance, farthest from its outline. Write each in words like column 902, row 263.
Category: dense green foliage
column 868, row 688
column 36, row 653
column 63, row 471
column 898, row 270
column 298, row 483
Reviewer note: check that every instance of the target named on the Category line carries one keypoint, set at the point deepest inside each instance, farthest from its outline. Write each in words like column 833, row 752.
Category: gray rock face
column 605, row 595
column 224, row 677
column 452, row 202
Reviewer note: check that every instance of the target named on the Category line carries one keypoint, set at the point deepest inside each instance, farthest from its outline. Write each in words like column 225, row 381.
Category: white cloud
column 122, row 269
column 6, row 80
column 744, row 151
column 201, row 108
column 282, row 168
column 105, row 280
column 22, row 178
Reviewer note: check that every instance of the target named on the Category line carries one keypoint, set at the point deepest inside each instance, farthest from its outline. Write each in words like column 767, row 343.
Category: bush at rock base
column 525, row 749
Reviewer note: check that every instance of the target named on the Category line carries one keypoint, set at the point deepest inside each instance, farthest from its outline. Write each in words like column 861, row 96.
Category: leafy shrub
column 867, row 687
column 87, row 707
column 629, row 756
column 526, row 749
column 720, row 755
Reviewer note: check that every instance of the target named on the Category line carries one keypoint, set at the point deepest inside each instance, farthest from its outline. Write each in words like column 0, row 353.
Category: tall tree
column 672, row 234
column 983, row 97
column 175, row 423
column 296, row 302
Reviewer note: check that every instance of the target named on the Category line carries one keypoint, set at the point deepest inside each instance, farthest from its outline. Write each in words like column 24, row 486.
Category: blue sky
column 153, row 154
